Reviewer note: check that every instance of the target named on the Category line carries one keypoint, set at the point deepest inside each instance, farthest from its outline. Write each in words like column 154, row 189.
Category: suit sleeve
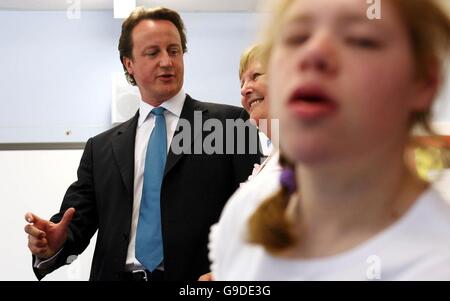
column 81, row 196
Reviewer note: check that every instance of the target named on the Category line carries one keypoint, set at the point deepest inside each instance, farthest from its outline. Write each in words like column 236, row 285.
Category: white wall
column 441, row 109
column 56, row 72
column 34, row 181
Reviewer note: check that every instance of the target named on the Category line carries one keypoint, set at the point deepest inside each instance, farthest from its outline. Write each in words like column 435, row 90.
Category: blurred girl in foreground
column 347, row 91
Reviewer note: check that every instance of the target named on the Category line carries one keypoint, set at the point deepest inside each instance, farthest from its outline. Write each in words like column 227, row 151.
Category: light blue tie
column 149, row 247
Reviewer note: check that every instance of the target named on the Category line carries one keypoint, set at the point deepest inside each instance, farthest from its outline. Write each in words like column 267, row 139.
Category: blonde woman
column 253, row 78
column 347, row 90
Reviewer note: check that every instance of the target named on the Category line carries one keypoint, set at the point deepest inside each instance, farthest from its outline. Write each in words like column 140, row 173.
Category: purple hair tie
column 287, row 180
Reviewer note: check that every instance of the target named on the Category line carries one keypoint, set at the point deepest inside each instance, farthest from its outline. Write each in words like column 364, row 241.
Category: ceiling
column 180, row 5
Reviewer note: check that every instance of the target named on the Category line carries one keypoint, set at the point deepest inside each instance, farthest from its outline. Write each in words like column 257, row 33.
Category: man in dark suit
column 110, row 194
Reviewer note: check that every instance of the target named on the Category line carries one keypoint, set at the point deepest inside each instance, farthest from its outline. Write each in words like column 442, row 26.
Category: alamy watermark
column 213, row 136
column 373, row 271
column 374, row 9
column 74, row 9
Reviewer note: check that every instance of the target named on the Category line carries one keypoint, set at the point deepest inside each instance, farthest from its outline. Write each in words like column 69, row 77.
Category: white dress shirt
column 266, row 144
column 145, row 126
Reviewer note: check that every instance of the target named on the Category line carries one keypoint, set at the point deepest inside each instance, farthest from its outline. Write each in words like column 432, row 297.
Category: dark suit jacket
column 194, row 191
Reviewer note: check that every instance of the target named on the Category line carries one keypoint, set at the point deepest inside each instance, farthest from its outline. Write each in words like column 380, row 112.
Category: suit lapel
column 124, row 141
column 187, row 113
column 123, row 149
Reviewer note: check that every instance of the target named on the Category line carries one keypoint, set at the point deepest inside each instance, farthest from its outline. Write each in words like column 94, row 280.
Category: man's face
column 157, row 60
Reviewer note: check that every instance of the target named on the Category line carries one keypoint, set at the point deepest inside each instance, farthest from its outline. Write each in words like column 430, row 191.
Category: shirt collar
column 266, row 144
column 174, row 105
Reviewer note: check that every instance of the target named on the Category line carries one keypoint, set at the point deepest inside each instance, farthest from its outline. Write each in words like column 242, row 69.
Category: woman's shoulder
column 228, row 237
column 243, row 203
column 252, row 193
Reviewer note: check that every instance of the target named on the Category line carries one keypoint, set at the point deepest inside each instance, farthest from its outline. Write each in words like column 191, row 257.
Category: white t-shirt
column 416, row 247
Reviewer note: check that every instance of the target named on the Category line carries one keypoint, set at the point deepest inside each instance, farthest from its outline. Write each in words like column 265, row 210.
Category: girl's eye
column 296, row 40
column 362, row 42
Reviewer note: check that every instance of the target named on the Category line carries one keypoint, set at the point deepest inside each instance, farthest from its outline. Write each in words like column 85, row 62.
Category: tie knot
column 158, row 111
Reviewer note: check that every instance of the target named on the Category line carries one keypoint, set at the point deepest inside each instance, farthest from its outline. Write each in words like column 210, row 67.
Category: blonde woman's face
column 342, row 85
column 254, row 91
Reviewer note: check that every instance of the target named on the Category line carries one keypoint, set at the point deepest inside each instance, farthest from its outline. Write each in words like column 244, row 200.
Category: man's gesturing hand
column 44, row 237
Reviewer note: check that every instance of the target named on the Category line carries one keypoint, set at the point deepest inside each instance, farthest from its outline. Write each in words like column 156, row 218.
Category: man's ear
column 128, row 63
column 427, row 87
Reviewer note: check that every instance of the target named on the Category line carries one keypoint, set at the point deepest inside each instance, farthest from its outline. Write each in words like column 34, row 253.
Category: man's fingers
column 38, row 251
column 32, row 218
column 36, row 220
column 29, row 217
column 38, row 242
column 67, row 217
column 206, row 277
column 33, row 231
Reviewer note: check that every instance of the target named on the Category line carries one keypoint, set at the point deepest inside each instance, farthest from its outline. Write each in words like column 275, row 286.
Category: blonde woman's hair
column 249, row 55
